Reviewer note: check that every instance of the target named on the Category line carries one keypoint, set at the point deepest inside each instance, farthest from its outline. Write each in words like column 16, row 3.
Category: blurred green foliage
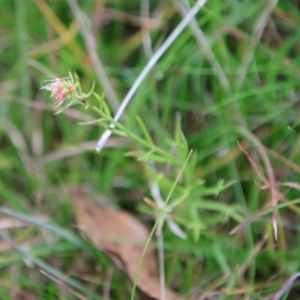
column 41, row 153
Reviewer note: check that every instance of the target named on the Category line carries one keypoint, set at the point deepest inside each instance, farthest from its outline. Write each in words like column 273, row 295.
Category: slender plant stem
column 159, row 220
column 147, row 144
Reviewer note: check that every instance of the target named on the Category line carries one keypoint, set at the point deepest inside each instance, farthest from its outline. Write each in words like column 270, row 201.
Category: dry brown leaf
column 123, row 238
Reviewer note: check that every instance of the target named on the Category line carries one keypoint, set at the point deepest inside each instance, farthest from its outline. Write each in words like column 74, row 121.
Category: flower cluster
column 61, row 89
column 66, row 91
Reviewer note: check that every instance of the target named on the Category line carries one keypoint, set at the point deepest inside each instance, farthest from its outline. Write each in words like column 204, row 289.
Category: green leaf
column 91, row 90
column 144, row 130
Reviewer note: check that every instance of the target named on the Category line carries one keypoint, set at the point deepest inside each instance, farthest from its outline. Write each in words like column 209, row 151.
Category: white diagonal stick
column 168, row 42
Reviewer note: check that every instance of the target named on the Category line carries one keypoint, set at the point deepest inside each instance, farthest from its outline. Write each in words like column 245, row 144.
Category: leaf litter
column 123, row 238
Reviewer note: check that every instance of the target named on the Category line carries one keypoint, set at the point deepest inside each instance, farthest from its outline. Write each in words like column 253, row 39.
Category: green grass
column 259, row 105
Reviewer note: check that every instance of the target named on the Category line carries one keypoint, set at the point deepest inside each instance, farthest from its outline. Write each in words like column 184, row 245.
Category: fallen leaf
column 123, row 238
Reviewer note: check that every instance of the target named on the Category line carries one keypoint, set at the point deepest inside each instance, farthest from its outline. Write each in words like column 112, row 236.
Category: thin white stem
column 161, row 265
column 286, row 286
column 258, row 31
column 168, row 42
column 147, row 44
column 155, row 193
column 184, row 7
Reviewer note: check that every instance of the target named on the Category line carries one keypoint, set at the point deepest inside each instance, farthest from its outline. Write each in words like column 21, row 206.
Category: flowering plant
column 67, row 92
